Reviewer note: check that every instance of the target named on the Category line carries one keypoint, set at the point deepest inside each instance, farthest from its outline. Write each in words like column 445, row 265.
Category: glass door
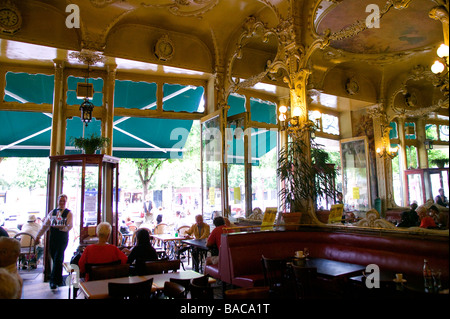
column 212, row 165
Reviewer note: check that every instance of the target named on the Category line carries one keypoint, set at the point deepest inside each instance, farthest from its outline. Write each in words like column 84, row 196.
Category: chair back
column 201, row 292
column 27, row 256
column 161, row 266
column 173, row 290
column 26, row 239
column 274, row 271
column 306, row 282
column 182, row 230
column 160, row 229
column 183, row 282
column 201, row 281
column 138, row 290
column 248, row 293
column 107, row 270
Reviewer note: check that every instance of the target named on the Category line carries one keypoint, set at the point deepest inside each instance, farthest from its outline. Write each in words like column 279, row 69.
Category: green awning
column 27, row 134
column 262, row 140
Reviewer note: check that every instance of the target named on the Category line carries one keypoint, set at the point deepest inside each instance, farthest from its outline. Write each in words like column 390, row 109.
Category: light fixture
column 86, row 90
column 442, row 51
column 440, row 69
column 387, row 152
column 292, row 124
column 86, row 109
column 428, row 144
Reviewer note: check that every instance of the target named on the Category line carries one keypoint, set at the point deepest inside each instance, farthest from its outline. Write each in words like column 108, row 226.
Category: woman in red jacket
column 102, row 252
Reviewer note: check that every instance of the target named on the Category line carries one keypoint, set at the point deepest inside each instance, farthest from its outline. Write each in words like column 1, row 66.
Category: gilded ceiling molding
column 88, row 57
column 97, row 41
column 252, row 27
column 412, row 107
column 184, row 8
column 359, row 26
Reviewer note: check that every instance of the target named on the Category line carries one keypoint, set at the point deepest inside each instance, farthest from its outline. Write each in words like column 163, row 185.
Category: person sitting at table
column 142, row 252
column 199, row 230
column 213, row 242
column 426, row 221
column 102, row 252
column 441, row 199
column 409, row 218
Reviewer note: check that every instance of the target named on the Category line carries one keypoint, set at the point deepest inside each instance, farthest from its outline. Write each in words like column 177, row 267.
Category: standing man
column 60, row 222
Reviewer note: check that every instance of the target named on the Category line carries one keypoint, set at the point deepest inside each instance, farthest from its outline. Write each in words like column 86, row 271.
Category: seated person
column 409, row 217
column 142, row 252
column 214, row 240
column 426, row 221
column 441, row 199
column 440, row 218
column 102, row 252
column 32, row 227
column 199, row 230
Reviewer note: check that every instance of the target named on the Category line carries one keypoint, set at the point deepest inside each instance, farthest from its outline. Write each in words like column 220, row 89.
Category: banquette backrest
column 240, row 253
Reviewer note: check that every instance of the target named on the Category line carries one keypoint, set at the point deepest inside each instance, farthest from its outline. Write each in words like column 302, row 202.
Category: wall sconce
column 439, row 66
column 292, row 124
column 388, row 152
column 428, row 144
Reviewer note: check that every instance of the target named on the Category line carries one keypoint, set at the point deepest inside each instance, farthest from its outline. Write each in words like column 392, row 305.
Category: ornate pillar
column 440, row 13
column 58, row 136
column 108, row 109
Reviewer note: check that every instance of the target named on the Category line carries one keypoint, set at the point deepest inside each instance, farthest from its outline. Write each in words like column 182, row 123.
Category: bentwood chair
column 107, row 271
column 200, row 288
column 27, row 256
column 306, row 282
column 161, row 266
column 248, row 293
column 172, row 290
column 139, row 290
column 183, row 282
column 275, row 276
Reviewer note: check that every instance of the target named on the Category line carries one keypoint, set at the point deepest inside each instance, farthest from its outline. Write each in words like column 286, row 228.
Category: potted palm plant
column 304, row 180
column 90, row 144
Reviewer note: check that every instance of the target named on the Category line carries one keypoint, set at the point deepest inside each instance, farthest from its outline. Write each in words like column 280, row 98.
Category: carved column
column 58, row 136
column 440, row 13
column 108, row 109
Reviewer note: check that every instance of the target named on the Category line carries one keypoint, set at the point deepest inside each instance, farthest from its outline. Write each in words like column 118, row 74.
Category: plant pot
column 291, row 220
column 90, row 150
column 322, row 216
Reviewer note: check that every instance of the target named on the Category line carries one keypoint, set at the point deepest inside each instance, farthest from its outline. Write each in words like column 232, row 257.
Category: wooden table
column 166, row 239
column 333, row 268
column 198, row 245
column 98, row 289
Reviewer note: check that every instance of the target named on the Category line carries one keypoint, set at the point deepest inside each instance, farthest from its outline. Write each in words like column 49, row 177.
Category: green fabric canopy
column 27, row 134
column 262, row 141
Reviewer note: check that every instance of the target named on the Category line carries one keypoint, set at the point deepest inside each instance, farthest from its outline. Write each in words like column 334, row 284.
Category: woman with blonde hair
column 102, row 252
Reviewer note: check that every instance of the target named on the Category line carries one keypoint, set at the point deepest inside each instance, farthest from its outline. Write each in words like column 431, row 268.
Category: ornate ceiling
column 204, row 33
